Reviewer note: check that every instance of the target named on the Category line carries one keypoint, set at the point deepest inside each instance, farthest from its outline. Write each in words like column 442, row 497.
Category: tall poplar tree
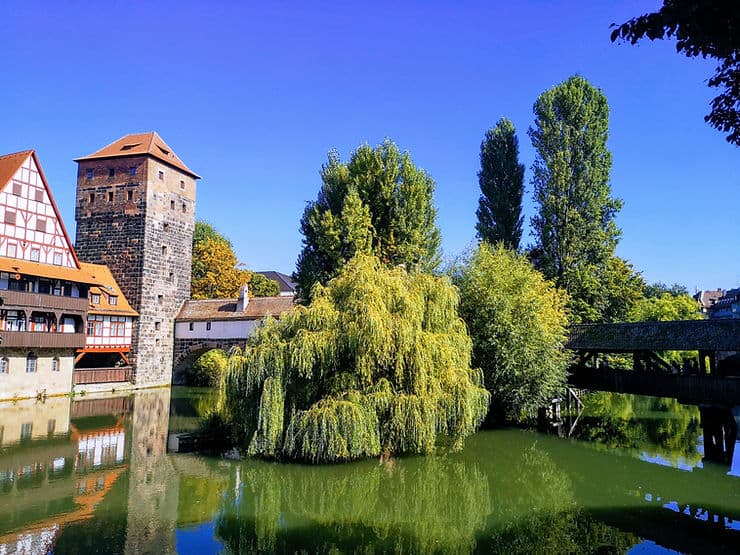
column 501, row 180
column 575, row 229
column 377, row 203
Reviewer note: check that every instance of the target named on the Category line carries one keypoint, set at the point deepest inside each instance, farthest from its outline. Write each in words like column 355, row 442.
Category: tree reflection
column 655, row 426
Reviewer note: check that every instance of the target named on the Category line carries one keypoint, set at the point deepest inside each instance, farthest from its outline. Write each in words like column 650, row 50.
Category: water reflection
column 100, row 480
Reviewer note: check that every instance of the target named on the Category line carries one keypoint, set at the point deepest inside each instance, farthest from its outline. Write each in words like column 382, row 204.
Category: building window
column 164, row 250
column 26, row 430
column 172, row 205
column 113, row 300
column 132, row 170
column 111, row 172
column 160, row 298
column 110, row 196
column 165, row 226
column 10, row 217
column 208, row 326
column 157, row 325
column 182, row 184
column 35, row 253
column 91, row 198
column 161, row 175
column 184, row 208
column 171, row 277
column 55, row 364
column 95, row 298
column 41, row 225
column 191, row 325
column 58, row 258
column 39, row 195
column 5, row 365
column 17, row 189
column 89, row 174
column 12, row 250
column 129, row 195
column 31, row 360
column 156, row 342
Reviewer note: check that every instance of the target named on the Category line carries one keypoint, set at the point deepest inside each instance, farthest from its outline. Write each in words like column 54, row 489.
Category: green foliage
column 208, row 369
column 261, row 286
column 377, row 203
column 665, row 308
column 706, row 28
column 378, row 362
column 658, row 288
column 574, row 228
column 501, row 180
column 517, row 322
column 215, row 271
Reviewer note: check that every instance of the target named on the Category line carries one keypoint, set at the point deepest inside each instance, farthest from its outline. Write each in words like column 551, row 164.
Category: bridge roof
column 225, row 309
column 683, row 335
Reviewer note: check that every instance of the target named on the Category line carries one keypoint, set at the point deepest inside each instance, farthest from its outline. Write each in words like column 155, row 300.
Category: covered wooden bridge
column 712, row 377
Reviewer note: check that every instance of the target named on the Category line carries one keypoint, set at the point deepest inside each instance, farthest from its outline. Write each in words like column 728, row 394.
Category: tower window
column 111, row 172
column 164, row 250
column 89, row 174
column 184, row 207
column 91, row 198
column 110, row 196
column 182, row 184
column 172, row 205
column 129, row 195
column 208, row 326
column 132, row 170
column 160, row 298
column 157, row 325
column 191, row 325
column 172, row 276
column 161, row 175
column 165, row 226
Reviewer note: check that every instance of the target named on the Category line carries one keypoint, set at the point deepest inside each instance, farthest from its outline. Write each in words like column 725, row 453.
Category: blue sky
column 252, row 95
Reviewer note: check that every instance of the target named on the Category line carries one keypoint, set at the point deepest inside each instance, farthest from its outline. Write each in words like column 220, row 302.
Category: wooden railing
column 22, row 299
column 83, row 376
column 40, row 339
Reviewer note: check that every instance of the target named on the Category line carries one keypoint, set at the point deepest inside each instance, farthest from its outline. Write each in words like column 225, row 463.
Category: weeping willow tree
column 379, row 362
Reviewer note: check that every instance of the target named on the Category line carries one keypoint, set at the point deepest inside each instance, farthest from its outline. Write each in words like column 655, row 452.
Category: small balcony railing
column 41, row 339
column 21, row 299
column 82, row 376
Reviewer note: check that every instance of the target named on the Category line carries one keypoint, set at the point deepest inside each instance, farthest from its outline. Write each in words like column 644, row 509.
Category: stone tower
column 135, row 212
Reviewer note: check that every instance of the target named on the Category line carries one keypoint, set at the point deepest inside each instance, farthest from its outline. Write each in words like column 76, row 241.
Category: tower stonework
column 135, row 212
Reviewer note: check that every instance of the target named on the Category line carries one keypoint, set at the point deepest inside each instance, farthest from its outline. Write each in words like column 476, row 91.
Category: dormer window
column 95, row 298
column 113, row 300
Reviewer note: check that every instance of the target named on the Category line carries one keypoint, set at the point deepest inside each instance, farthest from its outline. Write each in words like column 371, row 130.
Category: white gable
column 29, row 226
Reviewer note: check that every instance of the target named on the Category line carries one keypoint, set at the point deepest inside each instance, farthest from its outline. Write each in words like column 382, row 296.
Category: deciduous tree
column 501, row 180
column 706, row 28
column 574, row 228
column 517, row 321
column 378, row 362
column 377, row 203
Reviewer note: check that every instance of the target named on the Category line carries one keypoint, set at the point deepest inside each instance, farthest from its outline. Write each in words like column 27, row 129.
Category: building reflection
column 59, row 459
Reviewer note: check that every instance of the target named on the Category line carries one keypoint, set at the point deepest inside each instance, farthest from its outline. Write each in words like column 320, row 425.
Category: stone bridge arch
column 187, row 351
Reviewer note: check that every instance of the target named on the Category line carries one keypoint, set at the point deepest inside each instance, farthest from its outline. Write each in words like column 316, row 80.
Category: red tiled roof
column 225, row 309
column 10, row 163
column 107, row 287
column 138, row 144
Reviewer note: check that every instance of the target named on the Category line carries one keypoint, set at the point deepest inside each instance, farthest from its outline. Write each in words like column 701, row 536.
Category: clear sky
column 252, row 95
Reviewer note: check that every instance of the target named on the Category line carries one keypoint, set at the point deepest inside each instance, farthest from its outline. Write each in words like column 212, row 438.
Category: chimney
column 243, row 302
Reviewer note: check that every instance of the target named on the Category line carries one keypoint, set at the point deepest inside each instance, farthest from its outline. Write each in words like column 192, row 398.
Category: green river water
column 101, row 475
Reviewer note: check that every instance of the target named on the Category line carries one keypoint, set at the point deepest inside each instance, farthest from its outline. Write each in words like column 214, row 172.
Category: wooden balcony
column 82, row 376
column 42, row 339
column 21, row 299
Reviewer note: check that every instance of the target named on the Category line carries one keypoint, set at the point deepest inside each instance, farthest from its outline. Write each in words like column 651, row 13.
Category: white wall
column 220, row 329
